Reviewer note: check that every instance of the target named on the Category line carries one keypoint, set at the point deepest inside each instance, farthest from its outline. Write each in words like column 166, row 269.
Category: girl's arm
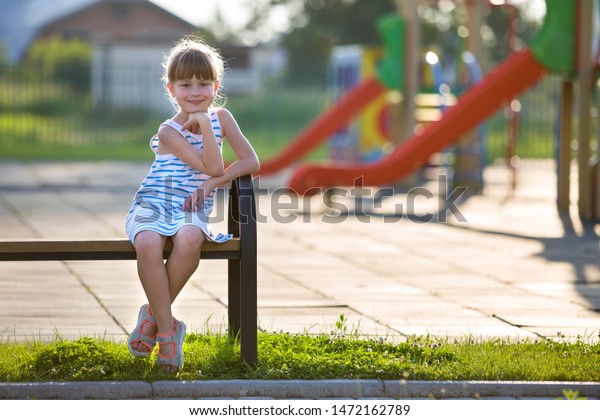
column 209, row 161
column 246, row 163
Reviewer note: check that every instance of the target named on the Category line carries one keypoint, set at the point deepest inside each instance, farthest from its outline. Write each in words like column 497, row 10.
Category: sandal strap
column 176, row 338
column 137, row 336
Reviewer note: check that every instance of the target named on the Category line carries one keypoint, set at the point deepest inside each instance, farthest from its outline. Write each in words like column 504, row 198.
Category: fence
column 40, row 118
column 536, row 118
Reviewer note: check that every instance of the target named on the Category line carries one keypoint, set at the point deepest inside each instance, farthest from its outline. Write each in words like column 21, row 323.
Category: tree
column 66, row 61
column 440, row 28
column 330, row 23
column 316, row 26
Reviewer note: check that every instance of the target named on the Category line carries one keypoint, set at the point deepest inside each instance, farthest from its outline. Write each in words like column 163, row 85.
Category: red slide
column 325, row 125
column 505, row 82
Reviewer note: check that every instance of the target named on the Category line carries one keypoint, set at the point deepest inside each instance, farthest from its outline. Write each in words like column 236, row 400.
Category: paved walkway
column 512, row 269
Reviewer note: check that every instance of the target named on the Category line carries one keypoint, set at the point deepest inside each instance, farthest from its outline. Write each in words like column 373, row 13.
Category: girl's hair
column 190, row 57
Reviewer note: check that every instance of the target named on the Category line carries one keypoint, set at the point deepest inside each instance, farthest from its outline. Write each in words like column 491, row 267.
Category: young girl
column 176, row 197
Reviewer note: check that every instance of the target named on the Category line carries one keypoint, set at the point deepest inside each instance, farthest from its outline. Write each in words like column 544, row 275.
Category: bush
column 65, row 61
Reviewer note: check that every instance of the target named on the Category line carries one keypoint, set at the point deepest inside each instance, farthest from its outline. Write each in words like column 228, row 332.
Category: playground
column 458, row 121
column 380, row 233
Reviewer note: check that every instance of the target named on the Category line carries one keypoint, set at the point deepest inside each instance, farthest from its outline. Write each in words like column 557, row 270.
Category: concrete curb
column 282, row 389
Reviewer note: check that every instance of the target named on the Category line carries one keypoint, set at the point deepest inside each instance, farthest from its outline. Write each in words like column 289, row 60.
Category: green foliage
column 40, row 119
column 3, row 60
column 571, row 394
column 439, row 31
column 552, row 360
column 288, row 356
column 339, row 355
column 319, row 25
column 341, row 325
column 327, row 23
column 66, row 61
column 81, row 360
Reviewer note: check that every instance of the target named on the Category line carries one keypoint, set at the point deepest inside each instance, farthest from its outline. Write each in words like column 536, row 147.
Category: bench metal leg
column 242, row 313
column 234, row 297
column 242, row 277
column 248, row 312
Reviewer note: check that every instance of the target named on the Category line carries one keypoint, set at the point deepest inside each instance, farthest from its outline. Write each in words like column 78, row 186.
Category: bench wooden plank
column 97, row 249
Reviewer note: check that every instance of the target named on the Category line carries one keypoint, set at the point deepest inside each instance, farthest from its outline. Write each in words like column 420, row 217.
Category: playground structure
column 367, row 138
column 563, row 46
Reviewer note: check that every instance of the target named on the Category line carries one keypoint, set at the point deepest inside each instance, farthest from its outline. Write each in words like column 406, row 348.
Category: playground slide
column 325, row 125
column 505, row 82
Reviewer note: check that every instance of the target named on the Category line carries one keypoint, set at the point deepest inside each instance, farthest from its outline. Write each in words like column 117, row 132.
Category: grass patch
column 303, row 356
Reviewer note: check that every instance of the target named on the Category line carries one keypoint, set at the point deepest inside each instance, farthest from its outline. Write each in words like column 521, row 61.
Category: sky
column 201, row 12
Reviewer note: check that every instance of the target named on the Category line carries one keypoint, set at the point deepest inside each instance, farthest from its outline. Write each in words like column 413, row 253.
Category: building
column 97, row 21
column 129, row 38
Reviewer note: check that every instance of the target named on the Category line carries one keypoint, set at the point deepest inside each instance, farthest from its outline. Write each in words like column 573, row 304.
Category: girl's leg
column 184, row 258
column 163, row 282
column 153, row 275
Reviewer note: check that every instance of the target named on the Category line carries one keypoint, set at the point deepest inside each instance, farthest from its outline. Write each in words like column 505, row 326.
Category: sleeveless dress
column 158, row 204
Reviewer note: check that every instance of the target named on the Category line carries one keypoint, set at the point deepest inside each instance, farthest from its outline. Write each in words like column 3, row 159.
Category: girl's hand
column 195, row 201
column 196, row 121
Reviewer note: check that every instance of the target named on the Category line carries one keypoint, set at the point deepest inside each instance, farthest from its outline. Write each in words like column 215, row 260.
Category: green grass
column 303, row 356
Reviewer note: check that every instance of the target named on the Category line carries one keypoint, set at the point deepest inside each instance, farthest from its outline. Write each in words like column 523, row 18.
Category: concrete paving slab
column 318, row 320
column 513, row 269
column 462, row 331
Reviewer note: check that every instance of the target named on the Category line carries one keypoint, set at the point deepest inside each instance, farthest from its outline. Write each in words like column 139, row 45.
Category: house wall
column 129, row 75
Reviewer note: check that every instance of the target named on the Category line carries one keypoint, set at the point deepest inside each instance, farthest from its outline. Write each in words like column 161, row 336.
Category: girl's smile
column 194, row 93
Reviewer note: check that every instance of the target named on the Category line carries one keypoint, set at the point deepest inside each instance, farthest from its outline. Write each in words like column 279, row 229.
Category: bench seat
column 97, row 249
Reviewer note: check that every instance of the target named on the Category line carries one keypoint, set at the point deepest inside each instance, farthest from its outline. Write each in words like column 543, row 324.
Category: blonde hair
column 190, row 57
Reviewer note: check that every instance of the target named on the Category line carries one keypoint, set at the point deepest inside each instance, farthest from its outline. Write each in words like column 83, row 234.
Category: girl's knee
column 148, row 243
column 189, row 239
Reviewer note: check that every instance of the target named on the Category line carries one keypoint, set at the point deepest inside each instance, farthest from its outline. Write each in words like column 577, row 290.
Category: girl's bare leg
column 153, row 275
column 184, row 258
column 163, row 282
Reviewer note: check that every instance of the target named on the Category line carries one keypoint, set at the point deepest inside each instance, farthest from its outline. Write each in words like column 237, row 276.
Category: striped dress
column 158, row 204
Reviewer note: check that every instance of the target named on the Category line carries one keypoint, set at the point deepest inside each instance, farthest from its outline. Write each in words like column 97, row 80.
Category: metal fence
column 39, row 116
column 530, row 121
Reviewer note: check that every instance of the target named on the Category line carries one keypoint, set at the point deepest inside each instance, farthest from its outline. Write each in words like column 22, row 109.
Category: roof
column 21, row 21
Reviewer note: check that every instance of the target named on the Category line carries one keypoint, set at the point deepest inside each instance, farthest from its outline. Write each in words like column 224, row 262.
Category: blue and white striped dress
column 158, row 204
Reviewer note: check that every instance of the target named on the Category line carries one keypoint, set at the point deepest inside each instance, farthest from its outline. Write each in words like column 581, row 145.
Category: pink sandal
column 145, row 316
column 176, row 338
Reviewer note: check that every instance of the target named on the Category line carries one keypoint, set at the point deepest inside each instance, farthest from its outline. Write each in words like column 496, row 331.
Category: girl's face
column 193, row 95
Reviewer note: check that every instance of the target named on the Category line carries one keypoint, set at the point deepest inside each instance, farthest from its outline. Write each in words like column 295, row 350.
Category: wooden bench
column 240, row 253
